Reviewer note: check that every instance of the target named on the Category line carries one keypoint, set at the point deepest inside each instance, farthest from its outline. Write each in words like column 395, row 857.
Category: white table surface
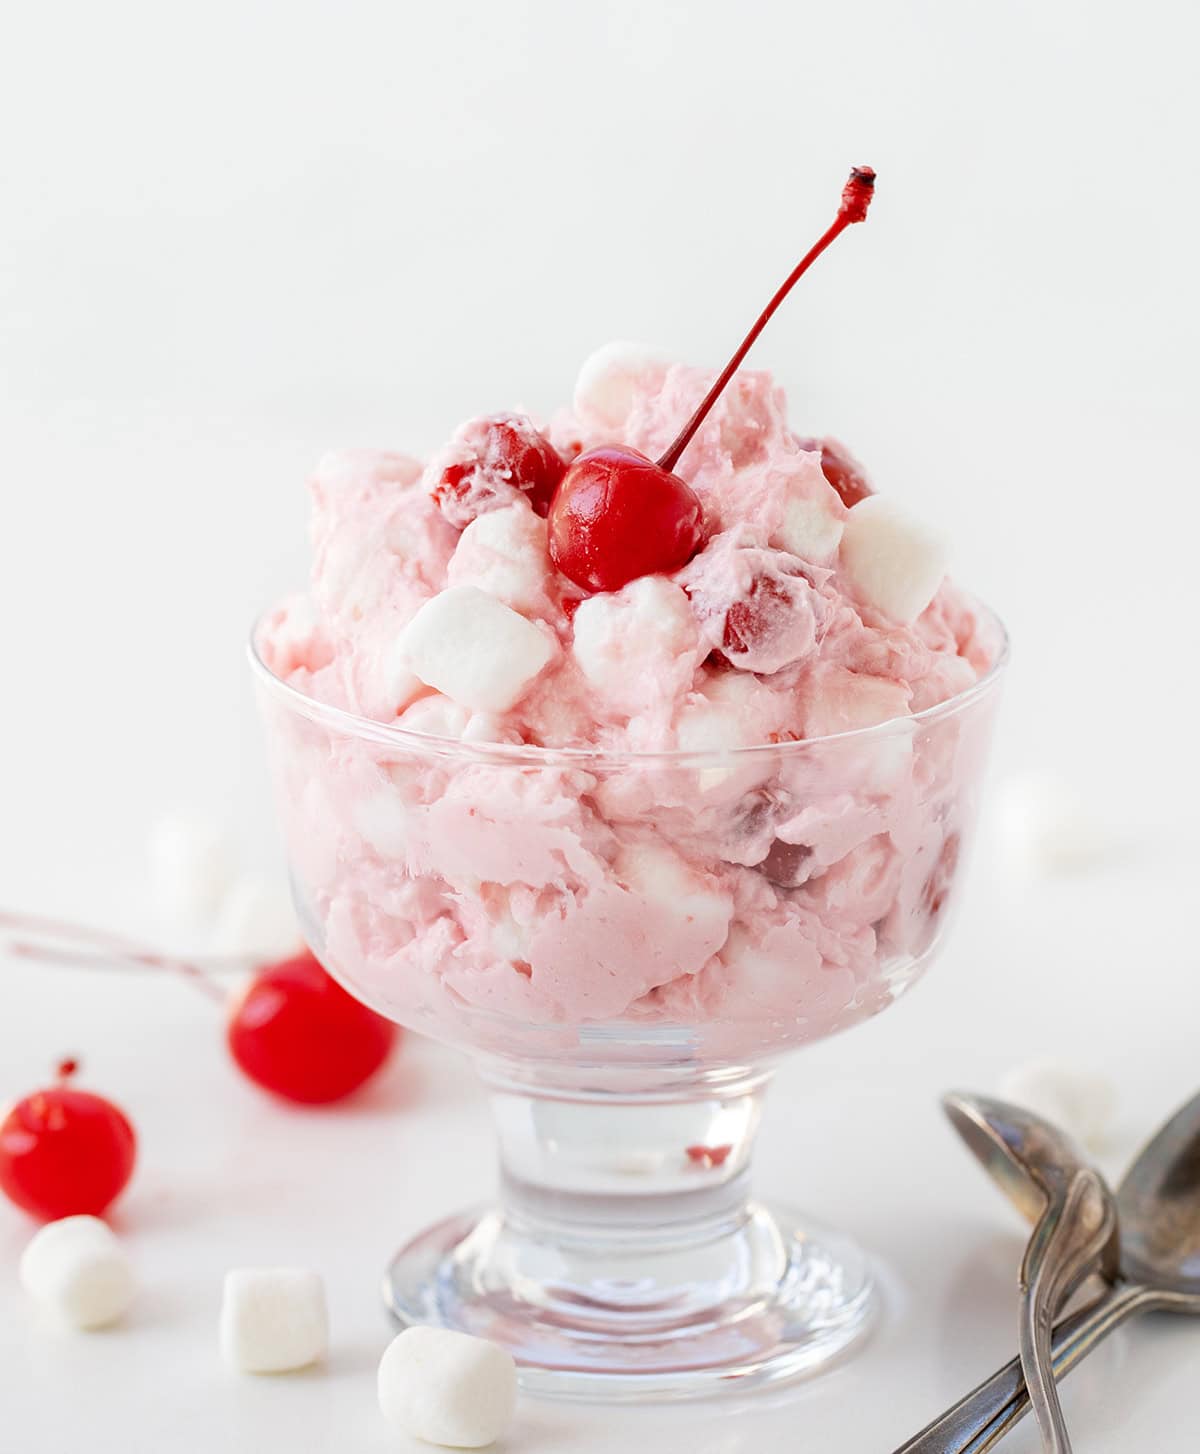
column 227, row 1176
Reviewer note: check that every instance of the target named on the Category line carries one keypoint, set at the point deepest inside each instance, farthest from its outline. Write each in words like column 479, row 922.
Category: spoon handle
column 984, row 1416
column 1066, row 1245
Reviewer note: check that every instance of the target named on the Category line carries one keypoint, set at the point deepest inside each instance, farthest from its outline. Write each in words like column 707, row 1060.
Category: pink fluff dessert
column 730, row 794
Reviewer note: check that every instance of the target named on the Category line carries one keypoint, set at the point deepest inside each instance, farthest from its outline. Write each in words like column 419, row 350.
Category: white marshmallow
column 273, row 1319
column 810, row 530
column 1044, row 826
column 504, row 553
column 385, row 821
column 665, row 881
column 847, row 701
column 257, row 920
column 894, row 562
column 447, row 1388
column 436, row 715
column 475, row 649
column 191, row 865
column 733, row 710
column 638, row 643
column 400, row 683
column 1079, row 1101
column 78, row 1269
column 609, row 379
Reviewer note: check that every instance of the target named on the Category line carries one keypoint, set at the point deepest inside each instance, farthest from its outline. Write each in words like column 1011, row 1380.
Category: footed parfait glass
column 625, row 944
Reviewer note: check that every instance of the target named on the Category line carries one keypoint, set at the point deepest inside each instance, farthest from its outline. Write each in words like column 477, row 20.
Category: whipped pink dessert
column 727, row 792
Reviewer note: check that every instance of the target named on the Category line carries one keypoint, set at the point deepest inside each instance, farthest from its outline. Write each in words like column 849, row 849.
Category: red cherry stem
column 98, row 949
column 856, row 198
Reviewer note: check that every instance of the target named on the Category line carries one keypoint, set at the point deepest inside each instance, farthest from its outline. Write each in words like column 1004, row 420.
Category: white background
column 234, row 235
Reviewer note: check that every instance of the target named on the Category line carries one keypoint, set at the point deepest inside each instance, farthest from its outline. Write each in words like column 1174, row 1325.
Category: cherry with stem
column 618, row 515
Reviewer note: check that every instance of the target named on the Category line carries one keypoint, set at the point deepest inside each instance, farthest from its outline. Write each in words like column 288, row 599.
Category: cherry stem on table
column 100, row 949
column 856, row 198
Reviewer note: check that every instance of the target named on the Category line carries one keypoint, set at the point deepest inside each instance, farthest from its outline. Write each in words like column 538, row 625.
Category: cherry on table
column 294, row 1031
column 65, row 1152
column 499, row 456
column 618, row 515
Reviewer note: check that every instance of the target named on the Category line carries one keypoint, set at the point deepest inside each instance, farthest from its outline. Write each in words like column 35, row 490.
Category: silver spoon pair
column 1157, row 1255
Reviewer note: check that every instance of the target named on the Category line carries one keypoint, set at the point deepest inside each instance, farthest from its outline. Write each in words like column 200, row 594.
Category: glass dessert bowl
column 626, row 943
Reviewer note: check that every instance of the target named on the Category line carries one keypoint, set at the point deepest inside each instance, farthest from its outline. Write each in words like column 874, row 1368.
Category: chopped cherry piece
column 759, row 614
column 296, row 1032
column 618, row 516
column 759, row 608
column 938, row 885
column 708, row 1156
column 787, row 864
column 65, row 1152
column 841, row 469
column 492, row 461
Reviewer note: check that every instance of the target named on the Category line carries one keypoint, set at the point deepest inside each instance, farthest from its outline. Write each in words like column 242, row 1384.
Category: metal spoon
column 1074, row 1235
column 1158, row 1205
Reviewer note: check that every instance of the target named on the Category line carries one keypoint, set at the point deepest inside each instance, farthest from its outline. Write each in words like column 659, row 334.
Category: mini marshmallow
column 848, row 701
column 1045, row 826
column 667, row 883
column 1080, row 1101
column 447, row 1388
column 77, row 1268
column 609, row 379
column 637, row 643
column 475, row 649
column 894, row 562
column 256, row 920
column 191, row 865
column 273, row 1319
column 504, row 553
column 435, row 715
column 810, row 530
column 400, row 683
column 708, row 725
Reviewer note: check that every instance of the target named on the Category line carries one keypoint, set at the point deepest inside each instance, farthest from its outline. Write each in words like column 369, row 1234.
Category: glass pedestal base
column 756, row 1298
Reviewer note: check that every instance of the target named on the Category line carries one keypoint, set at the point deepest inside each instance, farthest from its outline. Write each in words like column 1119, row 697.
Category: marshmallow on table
column 447, row 1388
column 78, row 1269
column 609, row 380
column 191, row 864
column 1045, row 826
column 273, row 1319
column 256, row 920
column 1079, row 1101
column 475, row 649
column 892, row 560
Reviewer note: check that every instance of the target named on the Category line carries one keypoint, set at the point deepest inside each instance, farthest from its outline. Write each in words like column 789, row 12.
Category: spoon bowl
column 1031, row 1160
column 1158, row 1203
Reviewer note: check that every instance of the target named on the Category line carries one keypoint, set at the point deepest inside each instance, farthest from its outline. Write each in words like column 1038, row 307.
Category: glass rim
column 391, row 734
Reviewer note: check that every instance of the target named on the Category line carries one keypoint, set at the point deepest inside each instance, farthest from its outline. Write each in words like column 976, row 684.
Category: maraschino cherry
column 64, row 1152
column 618, row 515
column 296, row 1032
column 495, row 460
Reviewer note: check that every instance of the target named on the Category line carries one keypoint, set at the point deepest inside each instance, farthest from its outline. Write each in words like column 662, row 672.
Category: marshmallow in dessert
column 447, row 1388
column 77, row 1268
column 777, row 875
column 273, row 1319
